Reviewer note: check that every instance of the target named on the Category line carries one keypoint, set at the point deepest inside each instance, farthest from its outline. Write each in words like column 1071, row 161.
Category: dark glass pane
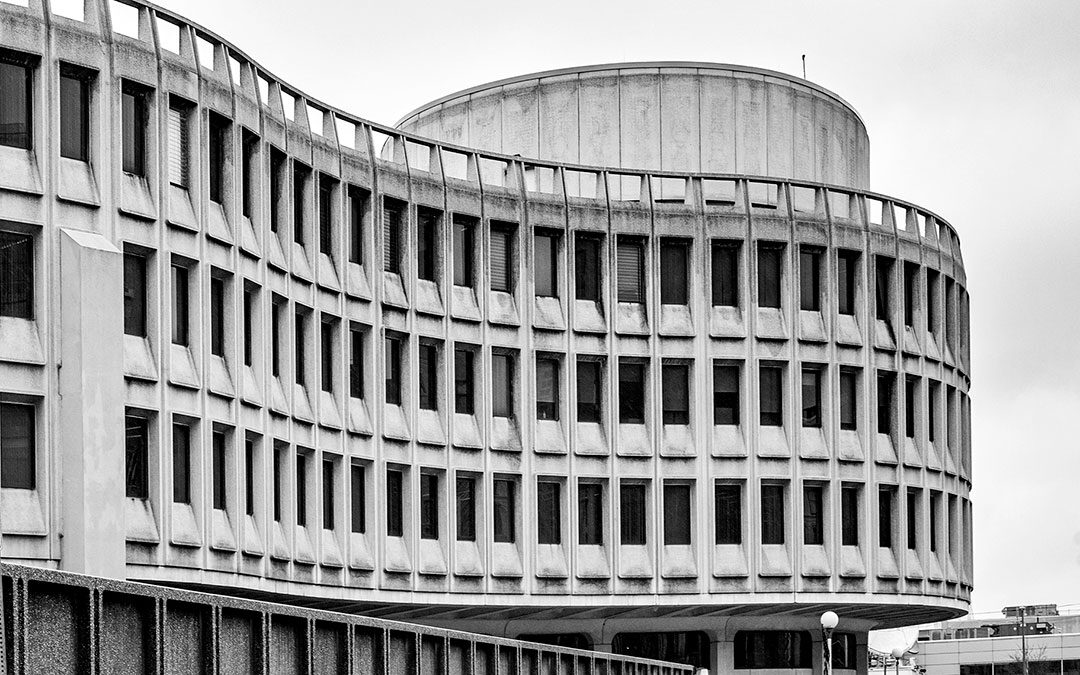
column 931, row 410
column 935, row 503
column 326, row 355
column 16, row 275
column 587, row 267
column 882, row 286
column 17, row 447
column 632, row 393
column 217, row 316
column 466, row 508
column 632, row 514
column 547, row 389
column 275, row 339
column 725, row 393
column 427, row 223
column 217, row 445
column 772, row 404
column 884, row 402
column 674, row 273
column 300, row 180
column 300, row 348
column 328, row 494
column 133, row 105
column 395, row 520
column 676, row 393
column 326, row 216
column 772, row 649
column 249, row 193
column 181, row 464
column 502, row 367
column 429, row 506
column 463, row 251
column 811, row 397
column 588, row 391
column 279, row 468
column 217, row 144
column 725, row 274
column 546, row 271
column 548, row 513
column 912, row 519
column 392, row 223
column 301, row 490
column 136, row 451
column 463, row 382
column 429, row 377
column 910, row 389
column 590, row 514
column 357, row 206
column 770, row 261
column 728, row 514
column 846, row 261
column 885, row 517
column 393, row 371
column 772, row 514
column 356, row 363
column 809, row 279
column 813, row 515
column 685, row 648
column 504, row 527
column 848, row 400
column 249, row 477
column 911, row 282
column 677, row 515
column 15, row 105
column 74, row 117
column 277, row 187
column 134, row 295
column 250, row 298
column 357, row 499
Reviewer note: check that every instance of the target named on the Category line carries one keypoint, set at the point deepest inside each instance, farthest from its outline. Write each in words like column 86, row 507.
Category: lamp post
column 828, row 623
column 897, row 654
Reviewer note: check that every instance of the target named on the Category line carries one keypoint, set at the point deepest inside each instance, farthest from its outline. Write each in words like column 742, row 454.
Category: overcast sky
column 973, row 111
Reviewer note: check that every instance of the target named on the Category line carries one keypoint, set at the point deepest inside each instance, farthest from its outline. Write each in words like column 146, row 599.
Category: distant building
column 672, row 383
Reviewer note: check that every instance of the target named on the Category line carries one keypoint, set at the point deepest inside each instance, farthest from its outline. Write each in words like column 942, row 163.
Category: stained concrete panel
column 717, row 103
column 485, row 122
column 455, row 123
column 520, row 131
column 780, row 124
column 639, row 116
column 559, row 119
column 680, row 121
column 750, row 129
column 598, row 98
column 803, row 132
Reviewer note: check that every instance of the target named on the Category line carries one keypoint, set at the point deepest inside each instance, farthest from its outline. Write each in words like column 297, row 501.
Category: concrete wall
column 672, row 117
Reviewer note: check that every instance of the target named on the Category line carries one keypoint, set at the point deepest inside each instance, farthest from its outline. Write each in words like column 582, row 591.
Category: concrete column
column 89, row 444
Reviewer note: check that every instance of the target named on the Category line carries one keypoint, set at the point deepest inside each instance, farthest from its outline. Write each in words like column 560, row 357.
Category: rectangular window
column 932, row 301
column 632, row 514
column 772, row 514
column 220, row 475
column 16, row 274
column 883, row 287
column 395, row 503
column 326, row 354
column 548, row 512
column 301, row 174
column 849, row 515
column 217, row 151
column 16, row 100
column 547, row 388
column 250, row 298
column 935, row 509
column 326, row 216
column 911, row 285
column 464, row 235
column 429, row 376
column 885, row 516
column 301, row 489
column 813, row 515
column 181, row 316
column 181, row 463
column 910, row 403
column 725, row 393
column 674, row 271
column 328, row 520
column 811, row 397
column 849, row 399
column 300, row 348
column 631, row 392
column 678, row 514
column 912, row 518
column 725, row 273
column 134, row 113
column 589, row 390
column 429, row 506
column 249, row 477
column 393, row 214
column 587, row 266
column 466, row 508
column 358, row 199
column 75, row 112
column 249, row 177
column 134, row 294
column 217, row 316
column 179, row 138
column 728, row 508
column 463, row 381
column 393, row 370
column 885, row 380
column 358, row 499
column 771, row 395
column 356, row 362
column 279, row 480
column 931, row 410
column 136, row 457
column 275, row 337
column 769, row 273
column 630, row 269
column 810, row 278
column 427, row 247
column 546, row 264
column 504, row 526
column 501, row 256
column 846, row 265
column 590, row 514
column 18, row 466
column 277, row 187
column 502, row 391
column 676, row 393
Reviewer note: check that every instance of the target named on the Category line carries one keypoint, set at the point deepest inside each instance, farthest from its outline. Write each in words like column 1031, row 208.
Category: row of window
column 635, row 499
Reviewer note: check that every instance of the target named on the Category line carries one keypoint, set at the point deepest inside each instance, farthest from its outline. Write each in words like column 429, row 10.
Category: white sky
column 973, row 110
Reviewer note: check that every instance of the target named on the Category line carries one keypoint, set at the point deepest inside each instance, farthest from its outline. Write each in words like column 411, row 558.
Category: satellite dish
column 885, row 641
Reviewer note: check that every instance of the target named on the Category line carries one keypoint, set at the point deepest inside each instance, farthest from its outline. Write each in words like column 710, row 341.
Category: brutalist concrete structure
column 677, row 402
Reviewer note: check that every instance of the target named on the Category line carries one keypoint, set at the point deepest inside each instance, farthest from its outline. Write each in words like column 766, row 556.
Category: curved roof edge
column 627, row 66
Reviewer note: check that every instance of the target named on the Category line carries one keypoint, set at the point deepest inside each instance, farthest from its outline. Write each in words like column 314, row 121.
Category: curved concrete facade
column 240, row 358
column 693, row 117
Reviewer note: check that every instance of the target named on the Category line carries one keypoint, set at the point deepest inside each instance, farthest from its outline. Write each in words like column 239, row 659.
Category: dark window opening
column 810, row 279
column 547, row 388
column 301, row 489
column 769, row 273
column 728, row 513
column 179, row 142
column 358, row 499
column 220, row 474
column 678, row 512
column 912, row 518
column 849, row 400
column 725, row 393
column 674, row 271
column 18, row 447
column 911, row 284
column 327, row 190
column 725, row 273
column 772, row 514
column 17, row 275
column 277, row 187
column 134, row 113
column 587, row 266
column 300, row 347
column 771, row 396
column 181, row 311
column 931, row 410
column 500, row 256
column 395, row 503
column 464, row 248
column 249, row 193
column 885, row 382
column 358, row 200
column 249, row 477
column 811, row 397
column 504, row 502
column 429, row 376
column 217, row 152
column 464, row 401
column 427, row 242
column 326, row 353
column 75, row 112
column 632, row 514
column 301, row 174
column 16, row 94
column 883, row 287
column 589, row 390
column 546, row 264
column 250, row 298
column 676, row 393
column 575, row 641
column 181, row 463
column 773, row 649
column 393, row 217
column 590, row 513
column 813, row 515
column 466, row 508
column 393, row 370
column 935, row 508
column 910, row 389
column 275, row 338
column 502, row 385
column 849, row 515
column 279, row 481
column 631, row 392
column 688, row 648
column 847, row 265
column 885, row 517
column 136, row 457
column 134, row 294
column 548, row 512
column 429, row 506
column 356, row 362
column 328, row 519
column 217, row 316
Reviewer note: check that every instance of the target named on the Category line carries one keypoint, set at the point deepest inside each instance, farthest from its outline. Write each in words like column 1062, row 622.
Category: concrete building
column 677, row 403
column 992, row 645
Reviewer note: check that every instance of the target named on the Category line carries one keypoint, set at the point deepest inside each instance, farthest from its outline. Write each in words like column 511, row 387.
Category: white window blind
column 391, row 239
column 179, row 147
column 500, row 260
column 631, row 259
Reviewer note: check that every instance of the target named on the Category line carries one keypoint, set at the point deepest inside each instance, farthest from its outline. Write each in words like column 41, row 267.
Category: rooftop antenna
column 804, row 66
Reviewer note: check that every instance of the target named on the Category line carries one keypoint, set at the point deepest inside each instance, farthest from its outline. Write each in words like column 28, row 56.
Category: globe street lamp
column 897, row 654
column 828, row 623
